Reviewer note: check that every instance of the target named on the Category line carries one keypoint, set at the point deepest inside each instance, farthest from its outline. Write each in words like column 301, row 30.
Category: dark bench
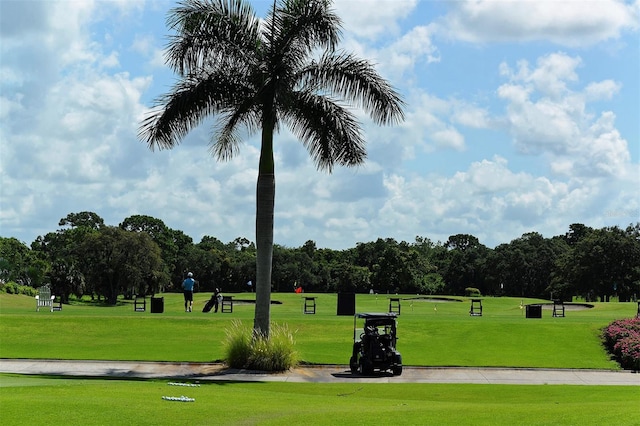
column 558, row 308
column 309, row 305
column 476, row 308
column 227, row 304
column 56, row 304
column 394, row 305
column 140, row 304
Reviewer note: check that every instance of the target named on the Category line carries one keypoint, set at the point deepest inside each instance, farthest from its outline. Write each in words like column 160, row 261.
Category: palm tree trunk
column 265, row 201
column 265, row 196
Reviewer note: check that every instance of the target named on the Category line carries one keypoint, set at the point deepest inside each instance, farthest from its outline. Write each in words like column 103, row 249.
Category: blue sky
column 521, row 116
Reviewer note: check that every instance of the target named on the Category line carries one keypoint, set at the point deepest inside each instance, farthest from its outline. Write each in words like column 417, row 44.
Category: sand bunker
column 567, row 306
column 433, row 299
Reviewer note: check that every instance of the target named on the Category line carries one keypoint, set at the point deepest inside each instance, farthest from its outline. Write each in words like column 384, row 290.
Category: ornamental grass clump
column 245, row 350
column 622, row 339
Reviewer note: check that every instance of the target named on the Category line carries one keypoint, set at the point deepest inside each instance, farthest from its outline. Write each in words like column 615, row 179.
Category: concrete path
column 317, row 374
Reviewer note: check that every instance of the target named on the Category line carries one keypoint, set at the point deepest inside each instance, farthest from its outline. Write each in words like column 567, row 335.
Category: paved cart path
column 316, row 374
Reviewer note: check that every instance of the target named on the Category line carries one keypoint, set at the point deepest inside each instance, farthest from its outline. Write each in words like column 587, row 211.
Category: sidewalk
column 317, row 374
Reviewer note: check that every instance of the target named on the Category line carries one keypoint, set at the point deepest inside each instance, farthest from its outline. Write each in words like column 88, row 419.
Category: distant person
column 187, row 287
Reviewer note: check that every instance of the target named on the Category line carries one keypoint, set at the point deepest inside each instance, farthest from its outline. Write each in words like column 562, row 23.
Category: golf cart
column 374, row 345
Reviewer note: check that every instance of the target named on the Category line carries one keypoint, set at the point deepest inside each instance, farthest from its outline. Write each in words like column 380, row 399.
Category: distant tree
column 577, row 232
column 67, row 279
column 309, row 248
column 307, row 268
column 350, row 278
column 122, row 262
column 432, row 283
column 18, row 263
column 463, row 263
column 161, row 234
column 462, row 242
column 323, row 259
column 295, row 267
column 526, row 265
column 241, row 268
column 206, row 267
column 605, row 262
column 82, row 220
column 209, row 262
column 395, row 267
column 62, row 250
column 286, row 271
column 183, row 262
column 211, row 243
column 242, row 243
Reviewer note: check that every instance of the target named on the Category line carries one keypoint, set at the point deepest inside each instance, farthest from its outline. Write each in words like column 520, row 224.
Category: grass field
column 431, row 334
column 115, row 402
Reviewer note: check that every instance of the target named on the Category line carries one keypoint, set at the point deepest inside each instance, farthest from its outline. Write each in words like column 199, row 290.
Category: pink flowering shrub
column 622, row 339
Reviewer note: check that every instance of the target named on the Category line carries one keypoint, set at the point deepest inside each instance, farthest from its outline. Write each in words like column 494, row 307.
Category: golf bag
column 209, row 304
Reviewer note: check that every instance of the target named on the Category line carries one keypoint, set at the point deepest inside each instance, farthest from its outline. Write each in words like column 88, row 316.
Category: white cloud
column 471, row 115
column 545, row 115
column 551, row 75
column 147, row 46
column 448, row 138
column 373, row 18
column 9, row 106
column 603, row 150
column 412, row 47
column 494, row 203
column 601, row 90
column 565, row 22
column 430, row 124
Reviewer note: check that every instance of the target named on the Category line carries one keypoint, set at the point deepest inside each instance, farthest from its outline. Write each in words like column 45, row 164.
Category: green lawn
column 43, row 400
column 431, row 334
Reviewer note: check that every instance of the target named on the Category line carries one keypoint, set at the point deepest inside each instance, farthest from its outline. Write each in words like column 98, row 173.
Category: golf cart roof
column 370, row 315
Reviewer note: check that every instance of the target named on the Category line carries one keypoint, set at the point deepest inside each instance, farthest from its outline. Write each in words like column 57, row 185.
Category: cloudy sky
column 521, row 116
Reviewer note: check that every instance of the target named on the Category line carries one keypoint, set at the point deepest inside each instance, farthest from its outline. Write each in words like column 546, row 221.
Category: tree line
column 143, row 256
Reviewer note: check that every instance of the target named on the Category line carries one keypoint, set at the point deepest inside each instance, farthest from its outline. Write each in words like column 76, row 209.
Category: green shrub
column 14, row 288
column 276, row 353
column 472, row 292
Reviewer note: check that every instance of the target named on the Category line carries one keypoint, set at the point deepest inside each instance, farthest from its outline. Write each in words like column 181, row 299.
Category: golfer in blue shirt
column 187, row 287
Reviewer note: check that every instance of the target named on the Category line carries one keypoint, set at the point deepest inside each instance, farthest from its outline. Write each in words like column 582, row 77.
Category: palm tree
column 256, row 76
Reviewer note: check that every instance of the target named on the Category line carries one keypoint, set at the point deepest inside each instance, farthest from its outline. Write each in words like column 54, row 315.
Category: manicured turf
column 42, row 400
column 430, row 333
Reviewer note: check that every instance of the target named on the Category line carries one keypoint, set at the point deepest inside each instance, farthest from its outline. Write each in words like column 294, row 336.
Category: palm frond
column 329, row 131
column 307, row 24
column 209, row 30
column 191, row 100
column 356, row 80
column 226, row 142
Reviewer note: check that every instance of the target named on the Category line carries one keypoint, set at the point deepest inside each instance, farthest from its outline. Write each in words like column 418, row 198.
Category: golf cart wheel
column 353, row 364
column 397, row 370
column 365, row 366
